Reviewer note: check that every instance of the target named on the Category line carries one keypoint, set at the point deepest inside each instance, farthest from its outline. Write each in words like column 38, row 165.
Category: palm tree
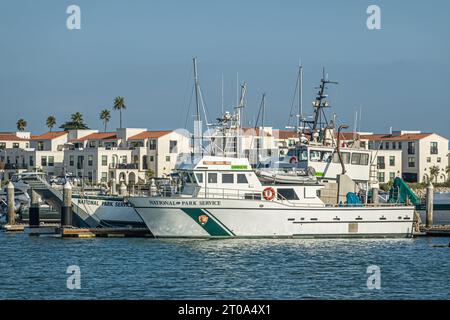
column 105, row 116
column 51, row 121
column 76, row 122
column 434, row 172
column 21, row 124
column 119, row 104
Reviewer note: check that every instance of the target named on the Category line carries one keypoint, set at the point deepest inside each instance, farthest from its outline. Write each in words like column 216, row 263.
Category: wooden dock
column 436, row 231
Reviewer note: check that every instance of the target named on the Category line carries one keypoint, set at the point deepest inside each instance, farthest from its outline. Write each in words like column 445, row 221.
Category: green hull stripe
column 224, row 226
column 212, row 227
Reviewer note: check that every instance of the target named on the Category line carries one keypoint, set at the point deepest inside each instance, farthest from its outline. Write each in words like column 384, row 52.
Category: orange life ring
column 269, row 193
column 293, row 159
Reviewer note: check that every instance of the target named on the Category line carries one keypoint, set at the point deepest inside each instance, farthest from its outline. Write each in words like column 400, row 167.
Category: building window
column 51, row 161
column 104, row 160
column 152, row 158
column 104, row 176
column 2, row 145
column 394, row 145
column 391, row 176
column 433, row 148
column 428, row 159
column 40, row 145
column 152, row 144
column 381, row 145
column 392, row 161
column 371, row 145
column 411, row 147
column 411, row 162
column 44, row 161
column 31, row 161
column 167, row 158
column 71, row 161
column 15, row 145
column 80, row 162
column 90, row 176
column 380, row 162
column 439, row 159
column 90, row 160
column 381, row 177
column 227, row 178
column 387, row 145
column 212, row 177
column 173, row 146
column 399, row 144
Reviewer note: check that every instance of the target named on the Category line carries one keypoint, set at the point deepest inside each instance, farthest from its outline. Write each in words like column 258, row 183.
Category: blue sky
column 143, row 50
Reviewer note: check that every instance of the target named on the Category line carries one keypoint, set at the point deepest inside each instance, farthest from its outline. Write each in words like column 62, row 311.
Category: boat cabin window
column 286, row 194
column 227, row 178
column 360, row 159
column 345, row 157
column 199, row 177
column 301, row 154
column 187, row 178
column 212, row 177
column 320, row 156
column 241, row 178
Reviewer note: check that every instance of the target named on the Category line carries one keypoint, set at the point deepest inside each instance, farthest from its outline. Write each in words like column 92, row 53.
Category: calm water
column 35, row 268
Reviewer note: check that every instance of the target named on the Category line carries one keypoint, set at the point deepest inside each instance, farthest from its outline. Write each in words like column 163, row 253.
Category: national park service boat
column 222, row 197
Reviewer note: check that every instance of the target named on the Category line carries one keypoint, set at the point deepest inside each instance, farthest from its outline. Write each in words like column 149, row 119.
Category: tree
column 105, row 116
column 21, row 124
column 51, row 121
column 119, row 104
column 76, row 122
column 434, row 173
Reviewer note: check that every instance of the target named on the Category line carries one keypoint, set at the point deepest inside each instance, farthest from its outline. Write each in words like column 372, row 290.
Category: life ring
column 293, row 159
column 269, row 193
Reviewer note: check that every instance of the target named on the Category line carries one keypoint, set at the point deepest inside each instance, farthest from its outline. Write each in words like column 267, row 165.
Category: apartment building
column 421, row 153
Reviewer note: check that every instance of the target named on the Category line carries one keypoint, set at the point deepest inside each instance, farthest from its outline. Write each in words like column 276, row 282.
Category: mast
column 300, row 97
column 198, row 134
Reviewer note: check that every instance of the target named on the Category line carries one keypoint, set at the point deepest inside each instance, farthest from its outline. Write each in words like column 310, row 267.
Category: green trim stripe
column 212, row 227
column 223, row 226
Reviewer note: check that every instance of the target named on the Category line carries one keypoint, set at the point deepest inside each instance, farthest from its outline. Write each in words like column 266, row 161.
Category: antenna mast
column 198, row 132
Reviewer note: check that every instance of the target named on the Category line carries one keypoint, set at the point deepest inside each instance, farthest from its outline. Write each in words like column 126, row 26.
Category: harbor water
column 125, row 268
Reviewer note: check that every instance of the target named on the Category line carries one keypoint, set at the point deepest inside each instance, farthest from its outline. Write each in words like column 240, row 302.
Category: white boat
column 222, row 197
column 113, row 211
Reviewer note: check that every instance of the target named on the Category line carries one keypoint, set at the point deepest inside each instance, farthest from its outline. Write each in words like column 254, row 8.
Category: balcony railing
column 124, row 166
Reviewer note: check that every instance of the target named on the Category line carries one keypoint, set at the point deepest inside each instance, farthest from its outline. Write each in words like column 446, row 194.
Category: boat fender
column 269, row 193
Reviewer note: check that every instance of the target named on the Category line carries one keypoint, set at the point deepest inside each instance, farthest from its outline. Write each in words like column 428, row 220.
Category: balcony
column 124, row 166
column 15, row 166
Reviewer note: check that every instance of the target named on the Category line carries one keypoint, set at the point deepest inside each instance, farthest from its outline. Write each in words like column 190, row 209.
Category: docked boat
column 222, row 197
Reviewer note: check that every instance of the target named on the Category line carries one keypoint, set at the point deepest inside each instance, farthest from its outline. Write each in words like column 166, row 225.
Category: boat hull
column 113, row 211
column 180, row 218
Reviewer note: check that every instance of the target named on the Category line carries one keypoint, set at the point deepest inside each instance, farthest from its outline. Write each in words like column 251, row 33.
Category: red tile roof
column 347, row 136
column 257, row 131
column 49, row 135
column 11, row 137
column 390, row 137
column 150, row 135
column 285, row 134
column 97, row 136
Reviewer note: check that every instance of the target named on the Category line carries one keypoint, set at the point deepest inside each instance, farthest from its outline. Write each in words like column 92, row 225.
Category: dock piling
column 429, row 204
column 66, row 210
column 34, row 221
column 10, row 202
column 375, row 200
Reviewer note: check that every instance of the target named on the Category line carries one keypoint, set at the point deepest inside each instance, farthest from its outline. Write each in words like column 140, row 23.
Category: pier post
column 113, row 187
column 10, row 202
column 123, row 189
column 429, row 201
column 34, row 210
column 66, row 210
column 375, row 200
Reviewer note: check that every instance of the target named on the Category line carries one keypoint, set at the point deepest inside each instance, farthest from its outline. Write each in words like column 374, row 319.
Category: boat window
column 320, row 156
column 360, row 159
column 199, row 177
column 241, row 178
column 187, row 178
column 364, row 159
column 252, row 196
column 286, row 194
column 302, row 155
column 356, row 157
column 291, row 153
column 212, row 177
column 227, row 178
column 345, row 157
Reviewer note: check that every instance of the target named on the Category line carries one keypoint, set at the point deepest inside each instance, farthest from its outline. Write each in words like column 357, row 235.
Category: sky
column 398, row 76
